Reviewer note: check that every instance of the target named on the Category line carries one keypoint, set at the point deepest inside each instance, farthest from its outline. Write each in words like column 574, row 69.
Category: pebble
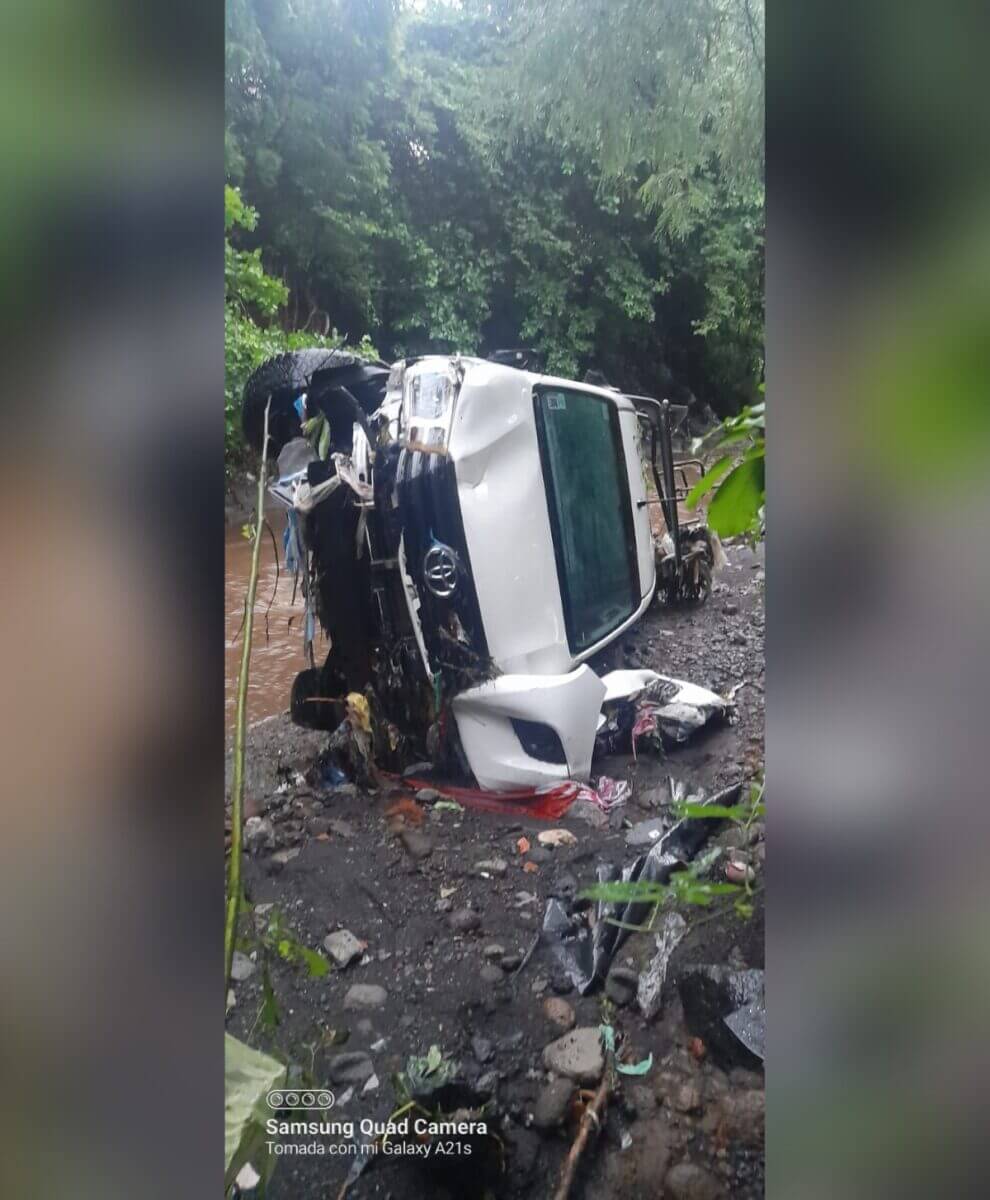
column 354, row 1067
column 341, row 828
column 558, row 1012
column 418, row 845
column 427, row 795
column 511, row 962
column 482, row 1049
column 343, row 947
column 492, row 866
column 494, row 950
column 552, row 1103
column 490, row 973
column 688, row 1181
column 645, row 833
column 621, row 985
column 578, row 1055
column 365, row 995
column 464, row 920
column 242, row 967
column 259, row 834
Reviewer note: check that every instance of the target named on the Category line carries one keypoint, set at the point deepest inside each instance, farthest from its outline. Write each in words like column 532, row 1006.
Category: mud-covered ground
column 337, row 862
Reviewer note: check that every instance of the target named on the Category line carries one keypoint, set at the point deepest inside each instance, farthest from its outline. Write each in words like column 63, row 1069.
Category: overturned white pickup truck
column 469, row 533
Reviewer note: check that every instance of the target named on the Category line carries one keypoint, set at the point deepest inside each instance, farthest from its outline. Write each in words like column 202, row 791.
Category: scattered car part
column 585, row 954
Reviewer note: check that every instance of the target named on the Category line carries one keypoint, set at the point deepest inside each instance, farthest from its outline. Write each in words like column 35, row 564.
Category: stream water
column 277, row 650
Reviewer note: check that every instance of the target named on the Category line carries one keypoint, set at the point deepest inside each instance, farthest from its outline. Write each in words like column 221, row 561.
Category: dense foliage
column 579, row 177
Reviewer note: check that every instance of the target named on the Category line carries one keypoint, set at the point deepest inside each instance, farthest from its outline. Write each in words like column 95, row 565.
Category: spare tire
column 283, row 378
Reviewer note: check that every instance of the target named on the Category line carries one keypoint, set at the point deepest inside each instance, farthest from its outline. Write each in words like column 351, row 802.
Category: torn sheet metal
column 585, row 954
column 672, row 929
column 646, row 709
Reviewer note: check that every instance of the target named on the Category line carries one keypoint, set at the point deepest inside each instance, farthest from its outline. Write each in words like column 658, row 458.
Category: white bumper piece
column 569, row 704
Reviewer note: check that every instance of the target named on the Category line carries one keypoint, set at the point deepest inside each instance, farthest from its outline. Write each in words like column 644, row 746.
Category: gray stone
column 259, row 834
column 645, row 833
column 343, row 947
column 559, row 1013
column 621, row 984
column 487, row 1084
column 688, row 1181
column 427, row 795
column 242, row 967
column 355, row 1067
column 511, row 962
column 464, row 920
column 285, row 856
column 482, row 1049
column 365, row 995
column 552, row 1103
column 743, row 1116
column 491, row 974
column 587, row 811
column 577, row 1054
column 494, row 950
column 418, row 845
column 492, row 866
column 317, row 826
column 341, row 828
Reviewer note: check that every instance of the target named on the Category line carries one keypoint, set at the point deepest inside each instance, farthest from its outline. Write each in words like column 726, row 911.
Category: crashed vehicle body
column 490, row 535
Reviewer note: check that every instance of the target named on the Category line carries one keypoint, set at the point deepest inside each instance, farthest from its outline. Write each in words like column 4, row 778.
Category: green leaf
column 708, row 480
column 248, row 1077
column 735, row 812
column 433, row 1060
column 316, row 964
column 736, row 505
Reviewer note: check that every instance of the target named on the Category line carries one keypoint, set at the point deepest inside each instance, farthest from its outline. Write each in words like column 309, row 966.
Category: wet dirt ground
column 334, row 864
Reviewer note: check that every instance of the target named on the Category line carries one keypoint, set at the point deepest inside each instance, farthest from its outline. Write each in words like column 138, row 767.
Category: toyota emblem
column 440, row 569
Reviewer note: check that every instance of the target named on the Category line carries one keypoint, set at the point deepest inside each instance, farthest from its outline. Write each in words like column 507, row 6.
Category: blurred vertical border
column 111, row 512
column 878, row 386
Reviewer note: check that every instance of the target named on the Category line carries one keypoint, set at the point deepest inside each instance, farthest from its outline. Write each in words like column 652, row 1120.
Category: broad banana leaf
column 249, row 1075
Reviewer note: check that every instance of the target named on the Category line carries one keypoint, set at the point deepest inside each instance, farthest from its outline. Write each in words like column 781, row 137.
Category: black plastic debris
column 585, row 954
column 727, row 1010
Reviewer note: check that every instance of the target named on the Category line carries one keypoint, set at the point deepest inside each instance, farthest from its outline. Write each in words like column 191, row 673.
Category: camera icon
column 278, row 1098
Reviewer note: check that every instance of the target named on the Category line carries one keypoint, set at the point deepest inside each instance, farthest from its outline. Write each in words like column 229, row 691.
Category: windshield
column 590, row 515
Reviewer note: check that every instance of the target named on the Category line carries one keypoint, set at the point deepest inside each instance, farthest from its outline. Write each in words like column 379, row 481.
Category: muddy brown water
column 277, row 649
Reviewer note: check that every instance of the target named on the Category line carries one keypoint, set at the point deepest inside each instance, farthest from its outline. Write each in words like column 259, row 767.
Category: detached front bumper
column 529, row 730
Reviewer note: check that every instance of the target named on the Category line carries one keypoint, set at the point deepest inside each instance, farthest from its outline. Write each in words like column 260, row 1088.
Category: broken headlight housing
column 429, row 394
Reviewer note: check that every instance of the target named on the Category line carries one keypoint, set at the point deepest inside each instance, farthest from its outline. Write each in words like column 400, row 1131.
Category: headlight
column 428, row 397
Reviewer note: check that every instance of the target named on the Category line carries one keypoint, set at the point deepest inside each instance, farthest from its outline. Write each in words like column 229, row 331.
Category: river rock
column 464, row 920
column 559, row 1013
column 494, row 950
column 259, row 834
column 492, row 866
column 418, row 846
column 343, row 947
column 552, row 1103
column 511, row 962
column 743, row 1116
column 355, row 1068
column 365, row 995
column 688, row 1181
column 491, row 974
column 621, row 984
column 242, row 967
column 482, row 1049
column 577, row 1054
column 645, row 833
